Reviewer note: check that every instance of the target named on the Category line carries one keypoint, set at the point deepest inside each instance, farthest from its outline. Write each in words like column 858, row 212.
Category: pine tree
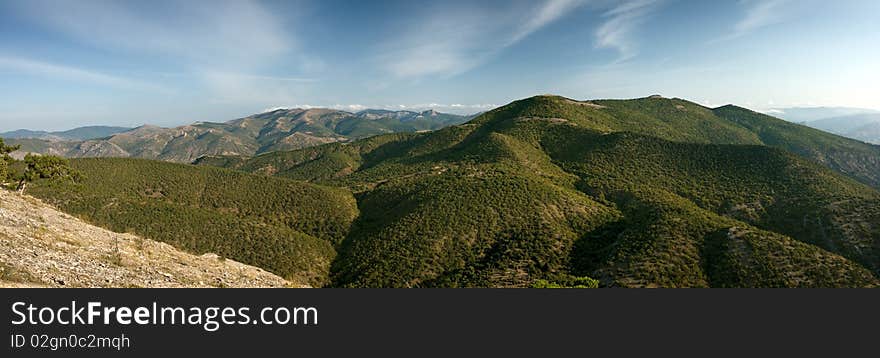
column 45, row 167
column 5, row 160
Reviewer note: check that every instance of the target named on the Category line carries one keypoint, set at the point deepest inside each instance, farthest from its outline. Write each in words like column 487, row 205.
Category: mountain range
column 810, row 114
column 81, row 133
column 649, row 192
column 856, row 123
column 282, row 129
column 864, row 126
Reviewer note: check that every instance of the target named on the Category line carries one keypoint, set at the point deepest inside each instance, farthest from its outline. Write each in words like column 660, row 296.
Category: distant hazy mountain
column 863, row 126
column 90, row 132
column 81, row 133
column 844, row 124
column 24, row 133
column 869, row 133
column 282, row 129
column 810, row 114
column 856, row 123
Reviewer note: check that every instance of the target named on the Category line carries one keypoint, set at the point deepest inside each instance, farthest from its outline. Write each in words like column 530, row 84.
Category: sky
column 65, row 64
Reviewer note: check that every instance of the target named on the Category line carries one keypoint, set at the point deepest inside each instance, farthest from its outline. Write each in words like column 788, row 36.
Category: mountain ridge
column 680, row 120
column 652, row 192
column 79, row 133
column 281, row 129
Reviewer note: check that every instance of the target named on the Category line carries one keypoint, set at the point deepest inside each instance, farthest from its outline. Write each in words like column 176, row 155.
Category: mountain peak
column 733, row 107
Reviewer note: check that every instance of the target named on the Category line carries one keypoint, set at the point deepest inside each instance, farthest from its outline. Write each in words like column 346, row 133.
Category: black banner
column 455, row 322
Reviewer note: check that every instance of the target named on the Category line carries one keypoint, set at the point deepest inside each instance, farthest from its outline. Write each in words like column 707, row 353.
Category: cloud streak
column 620, row 23
column 453, row 41
column 758, row 14
column 222, row 44
column 233, row 87
column 55, row 71
column 547, row 13
column 209, row 33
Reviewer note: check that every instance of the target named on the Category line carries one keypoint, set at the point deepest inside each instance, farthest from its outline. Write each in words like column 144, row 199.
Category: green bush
column 574, row 282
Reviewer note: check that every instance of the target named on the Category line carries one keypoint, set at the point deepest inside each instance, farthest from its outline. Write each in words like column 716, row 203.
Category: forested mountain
column 651, row 192
column 283, row 226
column 682, row 121
column 282, row 129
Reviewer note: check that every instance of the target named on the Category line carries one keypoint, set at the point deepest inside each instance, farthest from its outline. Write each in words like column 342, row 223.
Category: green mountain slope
column 768, row 188
column 631, row 209
column 465, row 227
column 283, row 226
column 645, row 193
column 682, row 121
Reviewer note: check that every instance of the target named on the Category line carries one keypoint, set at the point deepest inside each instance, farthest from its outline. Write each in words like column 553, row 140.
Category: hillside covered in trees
column 545, row 192
column 283, row 226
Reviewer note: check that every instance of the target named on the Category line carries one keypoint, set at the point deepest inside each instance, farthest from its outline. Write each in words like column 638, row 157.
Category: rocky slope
column 42, row 247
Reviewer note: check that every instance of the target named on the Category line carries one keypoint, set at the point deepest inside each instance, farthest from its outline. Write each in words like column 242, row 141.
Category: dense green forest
column 544, row 192
column 283, row 226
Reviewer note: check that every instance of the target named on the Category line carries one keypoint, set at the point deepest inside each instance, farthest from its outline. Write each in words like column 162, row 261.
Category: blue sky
column 65, row 64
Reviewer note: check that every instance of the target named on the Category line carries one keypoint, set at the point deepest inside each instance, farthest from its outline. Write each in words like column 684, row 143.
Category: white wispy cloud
column 235, row 87
column 452, row 41
column 69, row 73
column 547, row 13
column 223, row 45
column 620, row 23
column 208, row 32
column 758, row 14
column 248, row 76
